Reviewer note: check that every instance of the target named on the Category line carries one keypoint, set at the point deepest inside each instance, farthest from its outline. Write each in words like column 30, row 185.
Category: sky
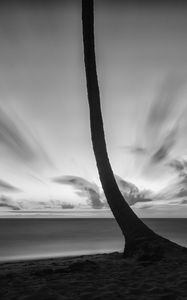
column 46, row 154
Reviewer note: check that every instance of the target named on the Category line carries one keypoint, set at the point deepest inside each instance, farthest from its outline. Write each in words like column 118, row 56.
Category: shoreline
column 94, row 276
column 60, row 257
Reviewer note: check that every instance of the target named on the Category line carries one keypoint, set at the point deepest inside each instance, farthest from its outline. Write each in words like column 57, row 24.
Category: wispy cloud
column 7, row 187
column 83, row 188
column 164, row 103
column 162, row 124
column 17, row 141
column 167, row 144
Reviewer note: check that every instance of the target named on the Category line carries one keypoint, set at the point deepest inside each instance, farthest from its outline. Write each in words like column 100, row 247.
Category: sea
column 36, row 238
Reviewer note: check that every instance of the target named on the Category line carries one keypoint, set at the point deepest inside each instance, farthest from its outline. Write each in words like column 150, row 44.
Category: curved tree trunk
column 129, row 223
column 141, row 241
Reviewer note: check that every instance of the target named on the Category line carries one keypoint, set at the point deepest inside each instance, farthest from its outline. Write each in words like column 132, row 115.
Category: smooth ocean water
column 40, row 238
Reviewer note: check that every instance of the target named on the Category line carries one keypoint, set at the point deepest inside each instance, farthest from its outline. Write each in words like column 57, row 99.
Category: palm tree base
column 153, row 249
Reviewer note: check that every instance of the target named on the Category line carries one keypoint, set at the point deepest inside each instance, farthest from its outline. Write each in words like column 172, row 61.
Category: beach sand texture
column 101, row 276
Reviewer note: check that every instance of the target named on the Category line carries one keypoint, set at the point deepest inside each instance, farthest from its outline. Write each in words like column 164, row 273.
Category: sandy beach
column 101, row 276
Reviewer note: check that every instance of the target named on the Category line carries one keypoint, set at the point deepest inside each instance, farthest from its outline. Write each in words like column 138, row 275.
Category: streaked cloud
column 167, row 144
column 17, row 141
column 164, row 116
column 165, row 103
column 7, row 187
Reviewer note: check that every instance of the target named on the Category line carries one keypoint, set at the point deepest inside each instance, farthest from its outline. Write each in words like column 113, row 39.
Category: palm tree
column 137, row 234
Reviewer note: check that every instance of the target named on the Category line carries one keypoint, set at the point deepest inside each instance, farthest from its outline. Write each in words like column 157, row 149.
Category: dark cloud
column 178, row 188
column 130, row 192
column 184, row 201
column 67, row 206
column 178, row 165
column 9, row 203
column 126, row 186
column 83, row 188
column 5, row 186
column 182, row 193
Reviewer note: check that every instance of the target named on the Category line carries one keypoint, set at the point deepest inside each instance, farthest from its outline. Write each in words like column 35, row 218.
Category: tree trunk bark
column 132, row 227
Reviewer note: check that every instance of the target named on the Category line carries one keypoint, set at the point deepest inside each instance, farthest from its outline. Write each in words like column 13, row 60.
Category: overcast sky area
column 46, row 154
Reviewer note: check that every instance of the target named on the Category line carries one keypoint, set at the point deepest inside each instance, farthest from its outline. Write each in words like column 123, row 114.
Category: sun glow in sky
column 44, row 121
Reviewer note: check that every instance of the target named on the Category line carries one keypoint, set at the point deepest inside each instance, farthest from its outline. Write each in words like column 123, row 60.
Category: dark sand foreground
column 102, row 276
